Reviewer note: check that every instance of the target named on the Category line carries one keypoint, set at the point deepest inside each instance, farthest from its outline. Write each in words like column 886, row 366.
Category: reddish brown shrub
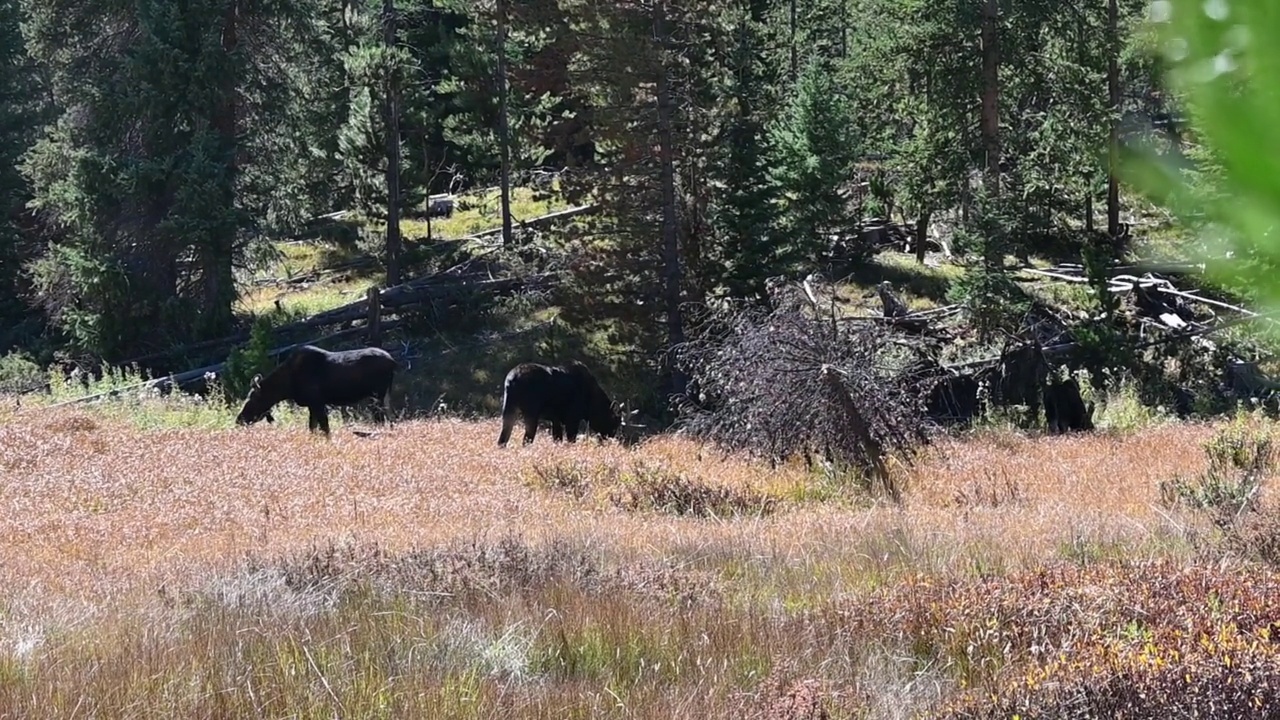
column 1133, row 640
column 782, row 697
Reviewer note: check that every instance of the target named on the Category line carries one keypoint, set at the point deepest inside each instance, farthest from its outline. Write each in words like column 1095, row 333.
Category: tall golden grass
column 424, row 572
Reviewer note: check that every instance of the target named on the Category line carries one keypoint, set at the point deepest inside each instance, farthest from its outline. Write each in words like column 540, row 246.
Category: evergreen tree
column 173, row 147
column 18, row 118
column 370, row 141
column 816, row 150
column 745, row 211
column 471, row 84
column 643, row 70
column 913, row 78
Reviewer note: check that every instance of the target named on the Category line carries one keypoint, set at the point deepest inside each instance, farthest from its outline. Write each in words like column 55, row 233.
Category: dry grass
column 425, row 572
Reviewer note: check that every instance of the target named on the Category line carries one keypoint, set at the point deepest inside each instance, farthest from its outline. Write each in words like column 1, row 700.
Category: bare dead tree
column 782, row 382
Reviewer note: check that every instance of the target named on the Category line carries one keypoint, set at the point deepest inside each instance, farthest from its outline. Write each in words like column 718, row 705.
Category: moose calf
column 1064, row 409
column 564, row 394
column 314, row 378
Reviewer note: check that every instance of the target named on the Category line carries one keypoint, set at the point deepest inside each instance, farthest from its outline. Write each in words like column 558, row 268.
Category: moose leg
column 571, row 429
column 557, row 431
column 508, row 421
column 530, row 428
column 318, row 418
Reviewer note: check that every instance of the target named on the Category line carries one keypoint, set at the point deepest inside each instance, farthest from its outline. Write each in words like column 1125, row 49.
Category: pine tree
column 816, row 153
column 744, row 213
column 370, row 142
column 174, row 149
column 643, row 70
column 18, row 119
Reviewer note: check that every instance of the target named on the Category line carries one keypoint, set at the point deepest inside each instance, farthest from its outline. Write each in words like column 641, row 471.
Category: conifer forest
column 787, row 359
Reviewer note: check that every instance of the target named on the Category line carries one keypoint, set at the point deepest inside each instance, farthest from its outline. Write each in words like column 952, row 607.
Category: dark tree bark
column 504, row 128
column 922, row 233
column 217, row 274
column 1113, row 139
column 391, row 115
column 671, row 261
column 991, row 92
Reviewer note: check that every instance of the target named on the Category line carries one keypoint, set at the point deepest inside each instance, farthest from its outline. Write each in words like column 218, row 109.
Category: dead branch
column 757, row 385
column 834, row 380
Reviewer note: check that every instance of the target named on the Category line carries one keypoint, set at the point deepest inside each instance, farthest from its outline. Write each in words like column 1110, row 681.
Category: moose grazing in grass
column 314, row 378
column 564, row 394
column 1064, row 409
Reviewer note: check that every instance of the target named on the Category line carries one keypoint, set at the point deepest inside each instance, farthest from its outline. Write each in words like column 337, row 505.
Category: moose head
column 258, row 405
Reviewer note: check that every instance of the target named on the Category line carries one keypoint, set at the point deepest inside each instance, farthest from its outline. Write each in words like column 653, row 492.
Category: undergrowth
column 646, row 487
column 1240, row 458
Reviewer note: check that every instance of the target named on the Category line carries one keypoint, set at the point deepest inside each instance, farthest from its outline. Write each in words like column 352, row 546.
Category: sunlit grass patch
column 295, row 304
column 1122, row 409
column 921, row 287
column 478, row 212
column 298, row 258
column 1068, row 296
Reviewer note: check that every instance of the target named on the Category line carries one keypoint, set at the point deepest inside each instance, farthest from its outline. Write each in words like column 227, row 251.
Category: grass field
column 424, row 572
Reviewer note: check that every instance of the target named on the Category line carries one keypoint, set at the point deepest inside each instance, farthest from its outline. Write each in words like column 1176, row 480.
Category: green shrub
column 18, row 374
column 252, row 358
column 1240, row 456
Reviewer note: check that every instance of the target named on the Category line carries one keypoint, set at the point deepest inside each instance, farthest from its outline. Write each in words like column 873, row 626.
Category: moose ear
column 256, row 382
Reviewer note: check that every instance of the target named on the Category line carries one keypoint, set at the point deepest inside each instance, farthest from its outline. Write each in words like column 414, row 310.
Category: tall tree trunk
column 217, row 275
column 922, row 234
column 504, row 130
column 795, row 64
column 991, row 92
column 391, row 120
column 1113, row 133
column 844, row 28
column 671, row 265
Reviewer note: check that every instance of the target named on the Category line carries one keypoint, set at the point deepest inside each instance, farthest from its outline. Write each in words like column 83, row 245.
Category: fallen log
column 832, row 377
column 190, row 376
column 918, row 315
column 1171, row 337
column 539, row 221
column 392, row 297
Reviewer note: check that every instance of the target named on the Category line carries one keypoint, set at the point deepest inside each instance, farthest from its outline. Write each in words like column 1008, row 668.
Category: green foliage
column 18, row 374
column 993, row 300
column 150, row 183
column 745, row 212
column 816, row 150
column 247, row 360
column 1240, row 457
column 995, row 303
column 17, row 118
column 1103, row 345
column 1121, row 408
column 1220, row 64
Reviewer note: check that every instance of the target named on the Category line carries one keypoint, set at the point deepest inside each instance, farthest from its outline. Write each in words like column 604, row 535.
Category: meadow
column 207, row 571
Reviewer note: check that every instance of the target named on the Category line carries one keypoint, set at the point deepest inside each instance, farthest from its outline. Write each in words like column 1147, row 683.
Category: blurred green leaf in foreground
column 1224, row 62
